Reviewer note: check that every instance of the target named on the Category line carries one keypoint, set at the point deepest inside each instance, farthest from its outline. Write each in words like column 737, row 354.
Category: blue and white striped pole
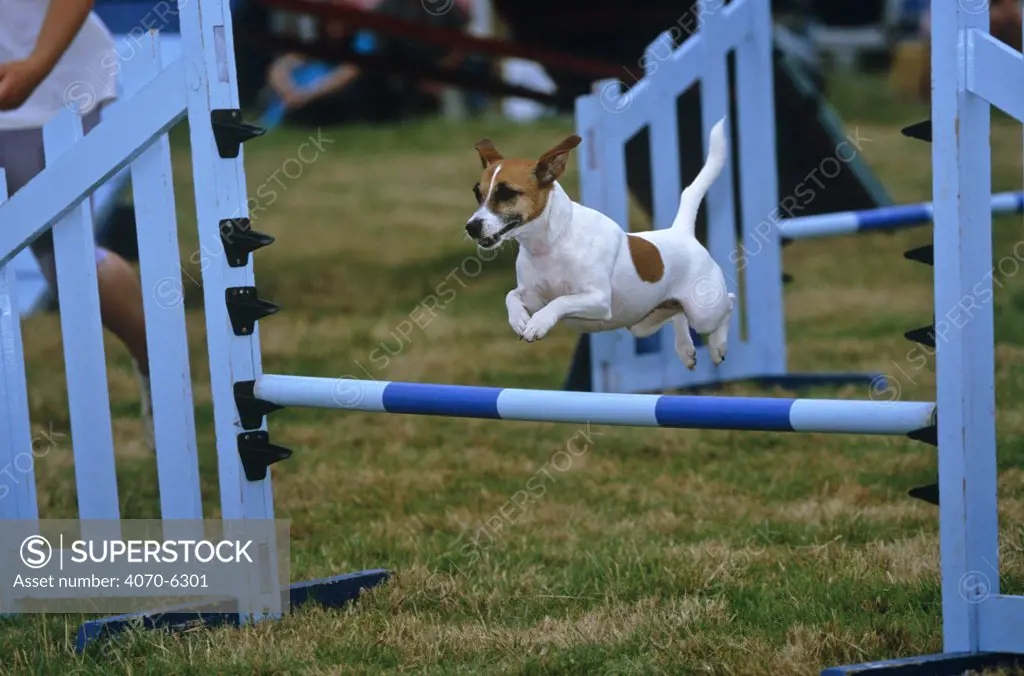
column 883, row 218
column 637, row 410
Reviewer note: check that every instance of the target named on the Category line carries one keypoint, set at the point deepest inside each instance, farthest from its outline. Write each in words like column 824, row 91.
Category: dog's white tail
column 694, row 193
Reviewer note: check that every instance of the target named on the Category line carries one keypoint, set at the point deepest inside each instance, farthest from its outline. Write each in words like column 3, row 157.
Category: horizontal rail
column 882, row 218
column 991, row 64
column 637, row 410
column 1000, row 616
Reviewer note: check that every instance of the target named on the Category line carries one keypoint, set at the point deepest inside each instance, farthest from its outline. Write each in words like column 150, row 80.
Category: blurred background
column 314, row 63
column 411, row 57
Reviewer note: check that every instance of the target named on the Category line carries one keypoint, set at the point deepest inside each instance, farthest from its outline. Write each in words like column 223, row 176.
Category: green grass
column 648, row 550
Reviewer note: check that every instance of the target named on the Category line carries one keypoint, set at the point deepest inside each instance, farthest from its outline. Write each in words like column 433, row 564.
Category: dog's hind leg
column 718, row 343
column 655, row 319
column 650, row 324
column 719, row 338
column 685, row 348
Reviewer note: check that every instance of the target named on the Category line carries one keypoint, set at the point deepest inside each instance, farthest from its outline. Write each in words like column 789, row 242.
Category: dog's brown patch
column 646, row 259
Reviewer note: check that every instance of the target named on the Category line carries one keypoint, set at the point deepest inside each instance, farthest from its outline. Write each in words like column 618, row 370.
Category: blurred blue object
column 310, row 73
column 306, row 75
column 364, row 42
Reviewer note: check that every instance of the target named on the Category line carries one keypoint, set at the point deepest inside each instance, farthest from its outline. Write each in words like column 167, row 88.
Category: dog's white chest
column 553, row 275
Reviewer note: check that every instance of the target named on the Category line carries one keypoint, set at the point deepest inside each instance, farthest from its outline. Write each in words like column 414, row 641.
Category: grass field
column 651, row 551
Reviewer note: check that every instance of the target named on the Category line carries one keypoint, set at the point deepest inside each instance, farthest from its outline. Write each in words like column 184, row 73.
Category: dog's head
column 513, row 192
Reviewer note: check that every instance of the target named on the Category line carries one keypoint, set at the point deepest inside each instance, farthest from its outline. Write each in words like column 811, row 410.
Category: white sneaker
column 147, row 408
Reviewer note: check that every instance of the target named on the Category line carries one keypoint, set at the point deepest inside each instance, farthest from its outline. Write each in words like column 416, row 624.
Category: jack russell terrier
column 577, row 266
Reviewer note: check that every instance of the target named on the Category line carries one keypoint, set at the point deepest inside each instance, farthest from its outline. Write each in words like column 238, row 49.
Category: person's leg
column 121, row 304
column 121, row 310
column 120, row 291
column 122, row 313
column 120, row 296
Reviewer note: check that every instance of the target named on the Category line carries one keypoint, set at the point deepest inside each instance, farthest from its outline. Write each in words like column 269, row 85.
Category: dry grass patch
column 425, row 640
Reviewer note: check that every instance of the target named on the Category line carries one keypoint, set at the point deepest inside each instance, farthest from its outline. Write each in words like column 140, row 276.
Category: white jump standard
column 201, row 86
column 971, row 72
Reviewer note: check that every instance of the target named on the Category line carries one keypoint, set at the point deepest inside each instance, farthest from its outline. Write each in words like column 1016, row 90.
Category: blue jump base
column 331, row 592
column 941, row 664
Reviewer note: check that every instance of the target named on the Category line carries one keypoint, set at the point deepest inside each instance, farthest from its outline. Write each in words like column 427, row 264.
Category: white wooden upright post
column 220, row 191
column 961, row 174
column 17, row 457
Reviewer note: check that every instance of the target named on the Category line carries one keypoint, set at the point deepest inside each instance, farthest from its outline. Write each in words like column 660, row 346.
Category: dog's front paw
column 537, row 327
column 518, row 319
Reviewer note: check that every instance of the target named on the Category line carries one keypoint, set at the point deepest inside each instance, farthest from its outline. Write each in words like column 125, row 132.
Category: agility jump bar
column 638, row 410
column 883, row 218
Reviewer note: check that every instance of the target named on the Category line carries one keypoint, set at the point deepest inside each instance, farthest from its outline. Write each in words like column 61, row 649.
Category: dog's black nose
column 474, row 227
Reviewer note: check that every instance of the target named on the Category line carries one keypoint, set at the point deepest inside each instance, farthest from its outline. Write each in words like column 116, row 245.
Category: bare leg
column 121, row 306
column 122, row 313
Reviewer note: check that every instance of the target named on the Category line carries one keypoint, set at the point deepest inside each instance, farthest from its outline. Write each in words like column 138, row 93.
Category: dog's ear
column 488, row 153
column 551, row 164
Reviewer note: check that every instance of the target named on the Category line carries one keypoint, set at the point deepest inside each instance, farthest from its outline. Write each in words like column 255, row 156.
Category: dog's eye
column 476, row 191
column 503, row 193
